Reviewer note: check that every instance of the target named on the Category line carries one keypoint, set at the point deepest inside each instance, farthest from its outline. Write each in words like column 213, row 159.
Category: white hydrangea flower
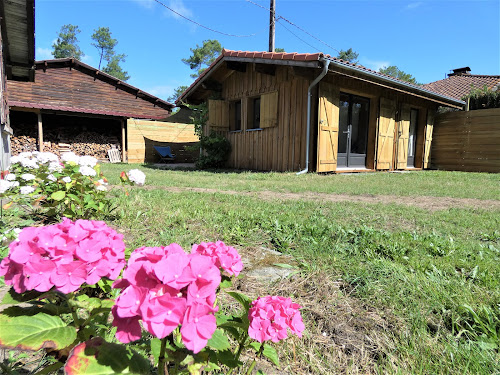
column 27, row 189
column 10, row 177
column 5, row 185
column 87, row 171
column 26, row 154
column 15, row 183
column 52, row 178
column 136, row 176
column 28, row 176
column 101, row 188
column 88, row 161
column 47, row 157
column 70, row 157
column 15, row 159
column 66, row 179
column 29, row 163
column 55, row 167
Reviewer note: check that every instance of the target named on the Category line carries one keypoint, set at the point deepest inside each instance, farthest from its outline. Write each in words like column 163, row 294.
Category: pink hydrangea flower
column 225, row 257
column 64, row 256
column 272, row 316
column 164, row 287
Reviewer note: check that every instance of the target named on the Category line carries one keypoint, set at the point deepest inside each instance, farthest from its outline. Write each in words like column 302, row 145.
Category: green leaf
column 13, row 298
column 271, row 354
column 244, row 300
column 58, row 195
column 283, row 265
column 260, row 372
column 219, row 341
column 98, row 357
column 255, row 345
column 34, row 332
column 226, row 358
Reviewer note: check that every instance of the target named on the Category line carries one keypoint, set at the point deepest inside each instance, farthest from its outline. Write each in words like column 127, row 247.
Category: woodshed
column 314, row 112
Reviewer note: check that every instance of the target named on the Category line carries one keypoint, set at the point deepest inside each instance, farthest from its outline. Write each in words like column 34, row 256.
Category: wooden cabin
column 71, row 102
column 270, row 104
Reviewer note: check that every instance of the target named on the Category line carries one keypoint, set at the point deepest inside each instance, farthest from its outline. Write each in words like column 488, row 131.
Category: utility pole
column 272, row 20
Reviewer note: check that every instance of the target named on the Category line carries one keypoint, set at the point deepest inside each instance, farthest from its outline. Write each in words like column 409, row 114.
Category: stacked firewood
column 85, row 143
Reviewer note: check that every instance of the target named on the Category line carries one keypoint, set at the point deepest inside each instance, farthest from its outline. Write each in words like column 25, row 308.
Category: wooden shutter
column 386, row 127
column 218, row 114
column 428, row 138
column 269, row 110
column 403, row 137
column 328, row 127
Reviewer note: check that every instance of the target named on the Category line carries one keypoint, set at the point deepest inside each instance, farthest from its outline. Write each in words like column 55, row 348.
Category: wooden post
column 124, row 155
column 40, row 132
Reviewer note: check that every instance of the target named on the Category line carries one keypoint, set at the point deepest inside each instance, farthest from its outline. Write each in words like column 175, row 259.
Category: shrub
column 215, row 151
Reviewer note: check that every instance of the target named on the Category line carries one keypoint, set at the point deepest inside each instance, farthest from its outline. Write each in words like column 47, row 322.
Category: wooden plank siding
column 76, row 90
column 280, row 144
column 467, row 141
column 142, row 135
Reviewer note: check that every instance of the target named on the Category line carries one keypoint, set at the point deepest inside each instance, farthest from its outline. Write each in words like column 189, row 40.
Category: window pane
column 256, row 113
column 343, row 122
column 413, row 132
column 359, row 121
column 237, row 115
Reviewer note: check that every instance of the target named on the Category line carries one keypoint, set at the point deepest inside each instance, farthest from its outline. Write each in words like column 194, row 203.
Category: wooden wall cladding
column 142, row 135
column 467, row 141
column 281, row 146
column 70, row 87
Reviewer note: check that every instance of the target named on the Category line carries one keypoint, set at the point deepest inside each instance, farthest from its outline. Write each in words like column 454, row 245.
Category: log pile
column 84, row 143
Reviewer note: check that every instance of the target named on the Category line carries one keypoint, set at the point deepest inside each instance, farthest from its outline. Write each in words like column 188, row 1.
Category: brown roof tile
column 460, row 85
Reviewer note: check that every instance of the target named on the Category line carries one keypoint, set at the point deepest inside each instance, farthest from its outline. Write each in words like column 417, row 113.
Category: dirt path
column 424, row 202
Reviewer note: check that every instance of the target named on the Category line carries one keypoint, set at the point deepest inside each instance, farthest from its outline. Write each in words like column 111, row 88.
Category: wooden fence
column 467, row 141
column 142, row 135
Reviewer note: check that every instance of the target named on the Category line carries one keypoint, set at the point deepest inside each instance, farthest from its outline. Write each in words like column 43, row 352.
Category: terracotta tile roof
column 460, row 85
column 303, row 57
column 13, row 103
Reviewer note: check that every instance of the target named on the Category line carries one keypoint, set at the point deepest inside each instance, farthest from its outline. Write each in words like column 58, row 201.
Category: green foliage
column 177, row 92
column 279, row 50
column 395, row 72
column 215, row 151
column 202, row 56
column 114, row 69
column 348, row 55
column 482, row 98
column 66, row 44
column 106, row 44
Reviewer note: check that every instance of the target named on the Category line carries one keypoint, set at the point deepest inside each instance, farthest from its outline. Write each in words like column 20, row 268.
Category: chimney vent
column 465, row 71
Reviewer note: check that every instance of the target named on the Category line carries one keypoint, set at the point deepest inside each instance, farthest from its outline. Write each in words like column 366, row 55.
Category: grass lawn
column 386, row 287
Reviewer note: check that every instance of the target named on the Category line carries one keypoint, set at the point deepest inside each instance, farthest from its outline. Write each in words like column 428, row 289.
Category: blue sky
column 425, row 38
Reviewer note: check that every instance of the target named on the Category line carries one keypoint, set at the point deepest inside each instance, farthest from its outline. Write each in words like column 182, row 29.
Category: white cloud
column 374, row 64
column 161, row 91
column 414, row 5
column 179, row 7
column 148, row 4
column 43, row 53
column 87, row 59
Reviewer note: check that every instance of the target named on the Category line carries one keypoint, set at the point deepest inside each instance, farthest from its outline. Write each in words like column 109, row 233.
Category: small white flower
column 28, row 176
column 52, row 178
column 87, row 171
column 26, row 154
column 88, row 161
column 10, row 177
column 102, row 182
column 15, row 159
column 70, row 157
column 101, row 188
column 66, row 179
column 27, row 190
column 55, row 167
column 14, row 184
column 137, row 176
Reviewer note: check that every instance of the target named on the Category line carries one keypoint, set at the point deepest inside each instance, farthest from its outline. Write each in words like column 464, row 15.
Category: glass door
column 354, row 113
column 412, row 138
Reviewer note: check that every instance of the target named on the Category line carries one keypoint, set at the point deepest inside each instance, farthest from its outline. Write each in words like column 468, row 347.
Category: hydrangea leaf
column 34, row 332
column 58, row 195
column 219, row 341
column 270, row 353
column 98, row 357
column 242, row 299
column 13, row 298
